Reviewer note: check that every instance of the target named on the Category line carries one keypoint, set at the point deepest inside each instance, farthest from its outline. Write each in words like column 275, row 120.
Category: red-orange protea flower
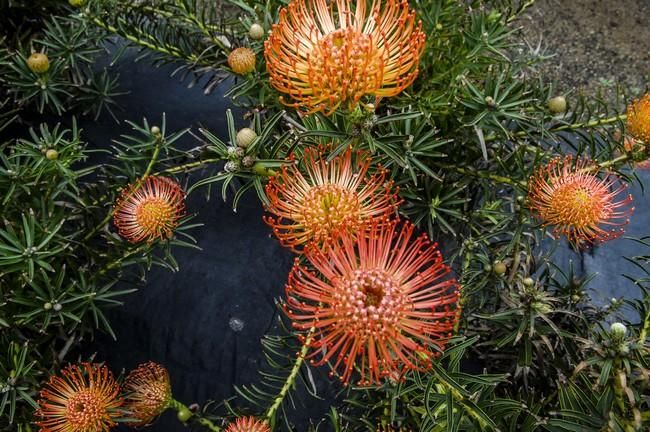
column 330, row 196
column 82, row 399
column 578, row 203
column 380, row 301
column 638, row 118
column 148, row 392
column 323, row 54
column 149, row 209
column 248, row 424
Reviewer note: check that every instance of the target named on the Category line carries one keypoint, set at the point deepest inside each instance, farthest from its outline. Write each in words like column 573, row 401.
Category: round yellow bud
column 242, row 61
column 52, row 154
column 245, row 137
column 256, row 32
column 557, row 105
column 38, row 63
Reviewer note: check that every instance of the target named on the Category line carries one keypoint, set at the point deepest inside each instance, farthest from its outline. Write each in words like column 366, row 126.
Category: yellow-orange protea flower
column 84, row 398
column 149, row 209
column 328, row 197
column 148, row 392
column 248, row 424
column 579, row 204
column 326, row 53
column 638, row 118
column 381, row 302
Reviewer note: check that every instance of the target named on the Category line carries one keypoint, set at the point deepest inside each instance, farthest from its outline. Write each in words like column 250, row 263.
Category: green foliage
column 532, row 351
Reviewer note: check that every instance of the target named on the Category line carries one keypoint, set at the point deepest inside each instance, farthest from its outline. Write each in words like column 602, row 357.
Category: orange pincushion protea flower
column 638, row 118
column 323, row 59
column 82, row 399
column 578, row 203
column 331, row 196
column 149, row 209
column 149, row 392
column 378, row 301
column 248, row 424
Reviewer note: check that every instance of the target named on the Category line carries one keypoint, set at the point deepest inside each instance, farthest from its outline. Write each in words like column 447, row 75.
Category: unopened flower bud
column 529, row 282
column 256, row 32
column 236, row 152
column 557, row 105
column 248, row 161
column 231, row 166
column 500, row 268
column 618, row 330
column 52, row 154
column 155, row 130
column 242, row 61
column 38, row 63
column 245, row 137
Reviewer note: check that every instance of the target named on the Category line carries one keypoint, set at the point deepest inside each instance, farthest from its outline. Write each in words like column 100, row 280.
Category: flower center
column 345, row 65
column 370, row 303
column 574, row 205
column 155, row 215
column 85, row 411
column 328, row 207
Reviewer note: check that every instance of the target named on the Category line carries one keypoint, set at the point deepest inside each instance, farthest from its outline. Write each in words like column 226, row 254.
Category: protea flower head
column 148, row 392
column 323, row 54
column 248, row 424
column 149, row 209
column 580, row 204
column 84, row 398
column 328, row 197
column 638, row 119
column 381, row 302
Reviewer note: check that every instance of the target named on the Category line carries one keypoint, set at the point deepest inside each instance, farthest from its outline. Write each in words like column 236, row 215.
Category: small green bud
column 256, row 32
column 77, row 3
column 529, row 282
column 155, row 130
column 183, row 414
column 57, row 307
column 489, row 101
column 557, row 105
column 500, row 268
column 52, row 154
column 618, row 330
column 47, row 306
column 245, row 137
column 439, row 27
column 575, row 298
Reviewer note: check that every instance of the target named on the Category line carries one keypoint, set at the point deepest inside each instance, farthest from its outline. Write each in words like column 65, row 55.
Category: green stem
column 644, row 329
column 188, row 166
column 182, row 408
column 291, row 379
column 585, row 125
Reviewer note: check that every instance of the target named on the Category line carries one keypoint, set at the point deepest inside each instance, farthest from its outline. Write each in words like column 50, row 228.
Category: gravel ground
column 597, row 43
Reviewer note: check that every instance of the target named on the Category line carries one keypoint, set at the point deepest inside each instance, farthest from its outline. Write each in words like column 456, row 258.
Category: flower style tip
column 381, row 302
column 248, row 424
column 323, row 54
column 579, row 204
column 84, row 398
column 148, row 392
column 149, row 209
column 329, row 197
column 638, row 119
